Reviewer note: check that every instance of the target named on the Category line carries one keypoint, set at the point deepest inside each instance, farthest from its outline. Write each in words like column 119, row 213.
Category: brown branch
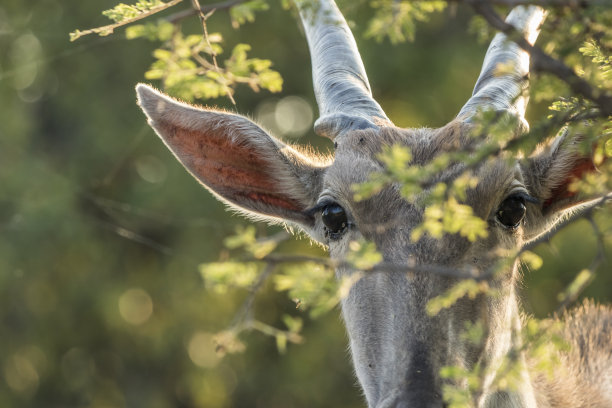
column 600, row 257
column 197, row 9
column 244, row 314
column 568, row 221
column 543, row 62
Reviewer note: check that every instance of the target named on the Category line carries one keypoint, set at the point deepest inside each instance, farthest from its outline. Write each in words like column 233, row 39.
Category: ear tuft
column 150, row 99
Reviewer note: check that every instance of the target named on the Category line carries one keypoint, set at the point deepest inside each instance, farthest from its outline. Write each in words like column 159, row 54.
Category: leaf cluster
column 397, row 20
column 186, row 64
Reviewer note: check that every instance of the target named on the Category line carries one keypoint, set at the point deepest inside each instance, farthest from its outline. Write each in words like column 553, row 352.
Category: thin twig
column 568, row 221
column 600, row 257
column 108, row 29
column 244, row 314
column 463, row 273
column 203, row 17
column 273, row 331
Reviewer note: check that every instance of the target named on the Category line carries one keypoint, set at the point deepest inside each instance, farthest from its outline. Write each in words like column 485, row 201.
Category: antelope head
column 396, row 347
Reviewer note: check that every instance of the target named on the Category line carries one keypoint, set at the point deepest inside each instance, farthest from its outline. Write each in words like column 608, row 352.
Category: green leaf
column 221, row 276
column 271, row 80
column 294, row 324
column 160, row 31
column 451, row 217
column 363, row 255
column 467, row 287
column 483, row 31
column 397, row 19
column 311, row 285
column 243, row 237
column 241, row 13
column 227, row 342
column 124, row 11
column 534, row 261
column 582, row 279
column 281, row 342
column 377, row 181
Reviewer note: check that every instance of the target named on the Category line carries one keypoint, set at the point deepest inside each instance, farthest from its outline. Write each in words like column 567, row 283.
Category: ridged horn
column 504, row 78
column 340, row 82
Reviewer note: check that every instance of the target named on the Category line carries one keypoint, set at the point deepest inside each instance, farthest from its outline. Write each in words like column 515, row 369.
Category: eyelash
column 318, row 207
column 525, row 197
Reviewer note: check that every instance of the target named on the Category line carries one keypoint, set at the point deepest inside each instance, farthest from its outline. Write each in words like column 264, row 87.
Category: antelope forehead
column 350, row 168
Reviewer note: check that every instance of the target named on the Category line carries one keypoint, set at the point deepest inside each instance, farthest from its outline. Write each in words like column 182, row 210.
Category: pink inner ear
column 581, row 167
column 233, row 170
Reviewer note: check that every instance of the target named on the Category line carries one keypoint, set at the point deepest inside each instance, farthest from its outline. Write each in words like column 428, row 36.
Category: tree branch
column 207, row 8
column 569, row 220
column 574, row 4
column 464, row 273
column 586, row 276
column 199, row 10
column 108, row 29
column 543, row 62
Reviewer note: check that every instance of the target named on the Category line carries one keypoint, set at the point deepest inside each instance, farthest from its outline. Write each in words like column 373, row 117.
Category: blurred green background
column 102, row 231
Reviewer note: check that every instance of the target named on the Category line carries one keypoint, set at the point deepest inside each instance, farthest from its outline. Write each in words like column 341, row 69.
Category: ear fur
column 235, row 159
column 549, row 175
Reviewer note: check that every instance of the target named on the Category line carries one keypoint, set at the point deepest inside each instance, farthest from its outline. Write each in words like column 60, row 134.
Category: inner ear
column 236, row 160
column 230, row 167
column 561, row 196
column 552, row 172
column 549, row 176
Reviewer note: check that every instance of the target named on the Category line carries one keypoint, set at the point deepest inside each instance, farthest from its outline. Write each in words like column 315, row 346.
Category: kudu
column 397, row 348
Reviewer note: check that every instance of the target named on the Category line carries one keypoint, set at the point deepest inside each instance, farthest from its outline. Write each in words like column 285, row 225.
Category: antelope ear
column 549, row 175
column 235, row 159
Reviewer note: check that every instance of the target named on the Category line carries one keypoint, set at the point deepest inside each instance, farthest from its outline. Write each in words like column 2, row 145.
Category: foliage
column 187, row 64
column 125, row 14
column 397, row 19
column 243, row 13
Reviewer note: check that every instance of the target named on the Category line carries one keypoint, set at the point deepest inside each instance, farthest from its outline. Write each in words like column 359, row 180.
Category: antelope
column 397, row 348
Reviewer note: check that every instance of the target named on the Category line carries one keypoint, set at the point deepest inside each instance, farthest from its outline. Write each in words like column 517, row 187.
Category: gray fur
column 396, row 347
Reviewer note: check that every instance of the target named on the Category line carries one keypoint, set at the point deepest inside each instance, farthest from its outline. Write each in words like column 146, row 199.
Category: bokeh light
column 135, row 306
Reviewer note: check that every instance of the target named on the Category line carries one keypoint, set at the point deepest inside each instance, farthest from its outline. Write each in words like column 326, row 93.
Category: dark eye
column 334, row 218
column 511, row 211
